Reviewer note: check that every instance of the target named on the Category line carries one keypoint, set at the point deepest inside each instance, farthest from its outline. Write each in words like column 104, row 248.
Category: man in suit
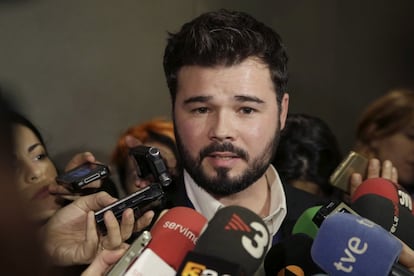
column 227, row 76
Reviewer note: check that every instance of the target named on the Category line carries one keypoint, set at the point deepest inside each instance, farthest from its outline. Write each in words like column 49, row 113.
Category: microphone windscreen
column 305, row 224
column 351, row 245
column 202, row 264
column 176, row 233
column 378, row 209
column 384, row 188
column 392, row 217
column 238, row 235
column 378, row 186
column 291, row 256
column 386, row 204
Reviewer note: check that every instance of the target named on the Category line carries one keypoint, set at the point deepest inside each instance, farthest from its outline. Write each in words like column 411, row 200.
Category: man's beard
column 222, row 184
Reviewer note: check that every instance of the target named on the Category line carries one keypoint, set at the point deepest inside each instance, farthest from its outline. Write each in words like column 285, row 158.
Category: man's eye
column 200, row 110
column 247, row 110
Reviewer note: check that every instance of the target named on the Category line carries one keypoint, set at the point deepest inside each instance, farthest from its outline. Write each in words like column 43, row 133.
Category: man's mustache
column 228, row 147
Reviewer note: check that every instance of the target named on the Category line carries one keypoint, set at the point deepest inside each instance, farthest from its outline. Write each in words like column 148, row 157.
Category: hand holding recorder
column 149, row 165
column 82, row 176
column 71, row 236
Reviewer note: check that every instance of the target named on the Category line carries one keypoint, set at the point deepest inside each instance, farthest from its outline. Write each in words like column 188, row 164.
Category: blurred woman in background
column 36, row 172
column 385, row 130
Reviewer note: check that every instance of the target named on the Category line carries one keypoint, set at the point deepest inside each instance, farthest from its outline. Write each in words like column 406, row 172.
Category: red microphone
column 385, row 188
column 170, row 239
column 176, row 233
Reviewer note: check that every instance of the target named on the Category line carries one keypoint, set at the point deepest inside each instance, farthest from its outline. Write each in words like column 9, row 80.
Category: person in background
column 18, row 233
column 157, row 133
column 307, row 155
column 385, row 130
column 68, row 237
column 36, row 172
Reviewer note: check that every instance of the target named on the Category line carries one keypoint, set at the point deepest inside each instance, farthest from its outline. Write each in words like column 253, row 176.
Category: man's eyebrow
column 244, row 98
column 198, row 99
column 32, row 147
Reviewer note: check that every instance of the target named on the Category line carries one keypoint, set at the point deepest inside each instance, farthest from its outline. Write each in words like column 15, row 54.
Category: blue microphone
column 349, row 245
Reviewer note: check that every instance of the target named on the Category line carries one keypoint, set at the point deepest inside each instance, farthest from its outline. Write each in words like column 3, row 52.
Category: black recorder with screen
column 82, row 175
column 141, row 201
column 149, row 163
column 330, row 208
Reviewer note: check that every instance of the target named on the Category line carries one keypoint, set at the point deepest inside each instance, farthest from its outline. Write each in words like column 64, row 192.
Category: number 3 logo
column 256, row 246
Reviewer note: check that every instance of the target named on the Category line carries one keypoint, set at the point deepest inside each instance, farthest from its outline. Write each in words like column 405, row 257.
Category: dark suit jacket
column 297, row 201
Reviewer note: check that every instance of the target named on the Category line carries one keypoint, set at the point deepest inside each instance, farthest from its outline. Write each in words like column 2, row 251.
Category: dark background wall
column 84, row 70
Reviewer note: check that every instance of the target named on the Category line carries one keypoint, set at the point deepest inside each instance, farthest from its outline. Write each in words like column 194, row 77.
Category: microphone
column 176, row 233
column 132, row 253
column 149, row 264
column 203, row 264
column 385, row 188
column 235, row 241
column 305, row 224
column 351, row 245
column 308, row 223
column 379, row 200
column 291, row 256
column 173, row 235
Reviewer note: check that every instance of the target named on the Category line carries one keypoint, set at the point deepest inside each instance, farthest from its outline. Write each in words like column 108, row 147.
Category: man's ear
column 284, row 107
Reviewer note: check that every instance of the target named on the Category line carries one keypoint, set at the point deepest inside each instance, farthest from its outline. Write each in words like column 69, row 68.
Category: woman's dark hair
column 20, row 119
column 385, row 116
column 308, row 150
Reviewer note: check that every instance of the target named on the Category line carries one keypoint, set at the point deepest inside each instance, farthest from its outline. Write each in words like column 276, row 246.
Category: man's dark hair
column 225, row 38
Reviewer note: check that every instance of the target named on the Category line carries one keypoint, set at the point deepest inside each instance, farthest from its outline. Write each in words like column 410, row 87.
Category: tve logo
column 355, row 247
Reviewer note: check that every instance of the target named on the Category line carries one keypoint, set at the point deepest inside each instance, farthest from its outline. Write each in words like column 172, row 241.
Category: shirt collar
column 209, row 205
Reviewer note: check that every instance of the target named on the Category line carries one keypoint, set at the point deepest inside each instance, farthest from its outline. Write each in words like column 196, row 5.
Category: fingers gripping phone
column 353, row 163
column 141, row 201
column 82, row 175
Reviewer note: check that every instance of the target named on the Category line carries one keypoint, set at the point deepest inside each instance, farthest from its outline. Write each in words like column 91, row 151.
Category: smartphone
column 130, row 256
column 353, row 163
column 149, row 162
column 82, row 175
column 141, row 201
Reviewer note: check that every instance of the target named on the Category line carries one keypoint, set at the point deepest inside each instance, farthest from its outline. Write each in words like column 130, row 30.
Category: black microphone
column 379, row 200
column 235, row 241
column 291, row 256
